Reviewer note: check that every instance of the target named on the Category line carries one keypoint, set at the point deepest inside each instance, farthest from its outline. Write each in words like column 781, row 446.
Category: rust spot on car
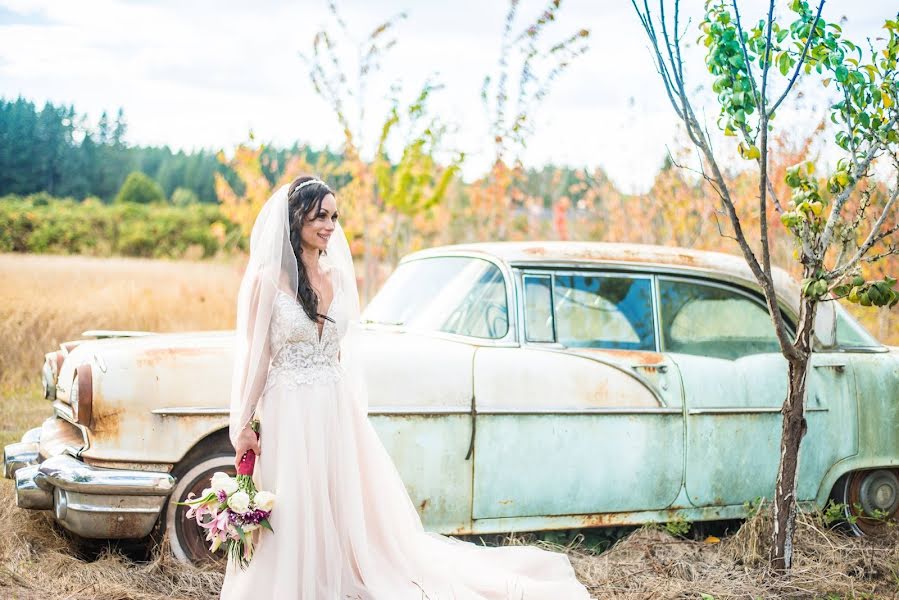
column 630, row 357
column 152, row 357
column 107, row 423
column 622, row 253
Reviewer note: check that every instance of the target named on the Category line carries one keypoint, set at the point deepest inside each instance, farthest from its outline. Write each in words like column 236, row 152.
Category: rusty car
column 518, row 386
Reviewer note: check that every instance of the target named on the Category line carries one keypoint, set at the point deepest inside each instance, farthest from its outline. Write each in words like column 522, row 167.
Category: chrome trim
column 656, row 312
column 582, row 411
column 29, row 494
column 106, row 517
column 32, row 435
column 19, row 455
column 47, row 381
column 101, row 364
column 444, row 335
column 69, row 473
column 113, row 333
column 596, row 271
column 727, row 410
column 64, row 411
column 733, row 410
column 182, row 411
column 857, row 350
column 82, row 507
column 430, row 410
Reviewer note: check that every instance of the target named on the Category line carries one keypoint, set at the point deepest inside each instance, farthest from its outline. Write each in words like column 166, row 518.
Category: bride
column 344, row 525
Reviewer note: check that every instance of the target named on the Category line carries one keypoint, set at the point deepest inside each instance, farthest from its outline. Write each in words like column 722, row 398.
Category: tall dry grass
column 46, row 300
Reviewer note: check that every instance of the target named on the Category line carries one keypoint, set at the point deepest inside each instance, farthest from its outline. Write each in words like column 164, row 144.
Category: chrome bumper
column 89, row 501
column 22, row 454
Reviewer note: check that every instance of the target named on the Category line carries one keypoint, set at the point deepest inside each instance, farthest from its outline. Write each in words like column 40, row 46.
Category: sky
column 203, row 74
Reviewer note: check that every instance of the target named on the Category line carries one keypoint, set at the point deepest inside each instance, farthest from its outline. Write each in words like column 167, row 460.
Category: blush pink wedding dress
column 344, row 525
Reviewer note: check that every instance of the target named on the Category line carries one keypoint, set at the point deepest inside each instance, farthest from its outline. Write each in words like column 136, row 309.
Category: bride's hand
column 246, row 441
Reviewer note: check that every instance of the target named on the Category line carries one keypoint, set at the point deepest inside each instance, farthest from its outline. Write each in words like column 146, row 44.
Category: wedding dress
column 344, row 525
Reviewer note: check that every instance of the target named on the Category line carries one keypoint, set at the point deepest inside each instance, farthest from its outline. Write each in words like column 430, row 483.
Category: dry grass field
column 45, row 300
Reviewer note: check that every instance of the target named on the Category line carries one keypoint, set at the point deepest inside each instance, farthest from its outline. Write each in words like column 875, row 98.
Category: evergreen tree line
column 55, row 150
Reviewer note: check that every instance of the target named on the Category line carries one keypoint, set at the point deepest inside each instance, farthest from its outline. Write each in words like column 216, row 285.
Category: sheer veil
column 272, row 268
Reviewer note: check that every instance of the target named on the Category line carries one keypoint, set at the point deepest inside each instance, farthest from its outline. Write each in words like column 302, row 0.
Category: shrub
column 140, row 189
column 42, row 224
column 183, row 197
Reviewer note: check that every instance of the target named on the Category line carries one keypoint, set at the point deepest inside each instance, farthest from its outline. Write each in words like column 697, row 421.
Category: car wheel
column 871, row 500
column 186, row 538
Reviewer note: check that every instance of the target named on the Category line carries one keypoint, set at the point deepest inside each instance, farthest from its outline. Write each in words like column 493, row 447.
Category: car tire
column 864, row 492
column 187, row 540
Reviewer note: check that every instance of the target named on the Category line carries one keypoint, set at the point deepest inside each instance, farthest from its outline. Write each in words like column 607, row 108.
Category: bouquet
column 231, row 508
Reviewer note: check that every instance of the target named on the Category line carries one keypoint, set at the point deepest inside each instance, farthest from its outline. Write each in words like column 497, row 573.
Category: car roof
column 718, row 264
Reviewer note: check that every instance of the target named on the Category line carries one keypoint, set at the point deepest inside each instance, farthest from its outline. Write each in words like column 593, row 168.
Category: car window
column 603, row 311
column 850, row 333
column 461, row 295
column 709, row 320
column 538, row 308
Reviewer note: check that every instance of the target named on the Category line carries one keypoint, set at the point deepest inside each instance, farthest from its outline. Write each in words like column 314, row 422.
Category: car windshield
column 452, row 294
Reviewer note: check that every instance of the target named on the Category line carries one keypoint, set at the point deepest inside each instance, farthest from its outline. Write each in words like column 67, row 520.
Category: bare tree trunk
column 794, row 428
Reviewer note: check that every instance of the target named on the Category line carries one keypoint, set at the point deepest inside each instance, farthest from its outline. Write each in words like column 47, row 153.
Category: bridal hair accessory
column 310, row 182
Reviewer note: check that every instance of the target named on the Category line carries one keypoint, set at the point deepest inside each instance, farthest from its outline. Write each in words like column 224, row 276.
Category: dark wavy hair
column 301, row 204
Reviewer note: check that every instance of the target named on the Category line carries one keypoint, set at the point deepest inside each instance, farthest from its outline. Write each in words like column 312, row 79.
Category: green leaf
column 841, row 74
column 842, row 290
column 783, row 63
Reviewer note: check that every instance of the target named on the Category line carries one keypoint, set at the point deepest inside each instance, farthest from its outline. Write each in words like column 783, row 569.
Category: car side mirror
column 826, row 323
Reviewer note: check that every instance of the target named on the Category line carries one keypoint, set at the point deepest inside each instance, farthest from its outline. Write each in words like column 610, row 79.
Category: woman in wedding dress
column 344, row 525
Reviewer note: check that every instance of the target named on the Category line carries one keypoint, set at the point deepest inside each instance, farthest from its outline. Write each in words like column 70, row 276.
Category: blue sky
column 204, row 73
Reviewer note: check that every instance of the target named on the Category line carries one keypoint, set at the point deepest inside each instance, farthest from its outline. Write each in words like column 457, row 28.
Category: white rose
column 264, row 500
column 225, row 484
column 220, row 475
column 206, row 492
column 239, row 502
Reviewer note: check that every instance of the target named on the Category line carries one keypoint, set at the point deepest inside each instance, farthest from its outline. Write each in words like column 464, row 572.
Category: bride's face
column 317, row 228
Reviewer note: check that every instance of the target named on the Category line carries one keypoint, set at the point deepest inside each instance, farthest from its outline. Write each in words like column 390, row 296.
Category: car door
column 585, row 416
column 422, row 329
column 734, row 379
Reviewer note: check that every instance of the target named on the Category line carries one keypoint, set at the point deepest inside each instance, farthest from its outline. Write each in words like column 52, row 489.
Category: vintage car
column 517, row 386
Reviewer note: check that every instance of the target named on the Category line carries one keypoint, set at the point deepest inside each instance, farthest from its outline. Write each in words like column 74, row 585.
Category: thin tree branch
column 766, row 62
column 840, row 200
column 763, row 155
column 799, row 64
column 646, row 21
column 873, row 236
column 720, row 230
column 755, row 91
column 894, row 250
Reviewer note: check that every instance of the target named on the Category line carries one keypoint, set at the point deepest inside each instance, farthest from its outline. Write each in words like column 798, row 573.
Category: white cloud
column 202, row 74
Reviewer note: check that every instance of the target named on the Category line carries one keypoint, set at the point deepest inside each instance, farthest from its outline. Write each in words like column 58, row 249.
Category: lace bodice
column 299, row 356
